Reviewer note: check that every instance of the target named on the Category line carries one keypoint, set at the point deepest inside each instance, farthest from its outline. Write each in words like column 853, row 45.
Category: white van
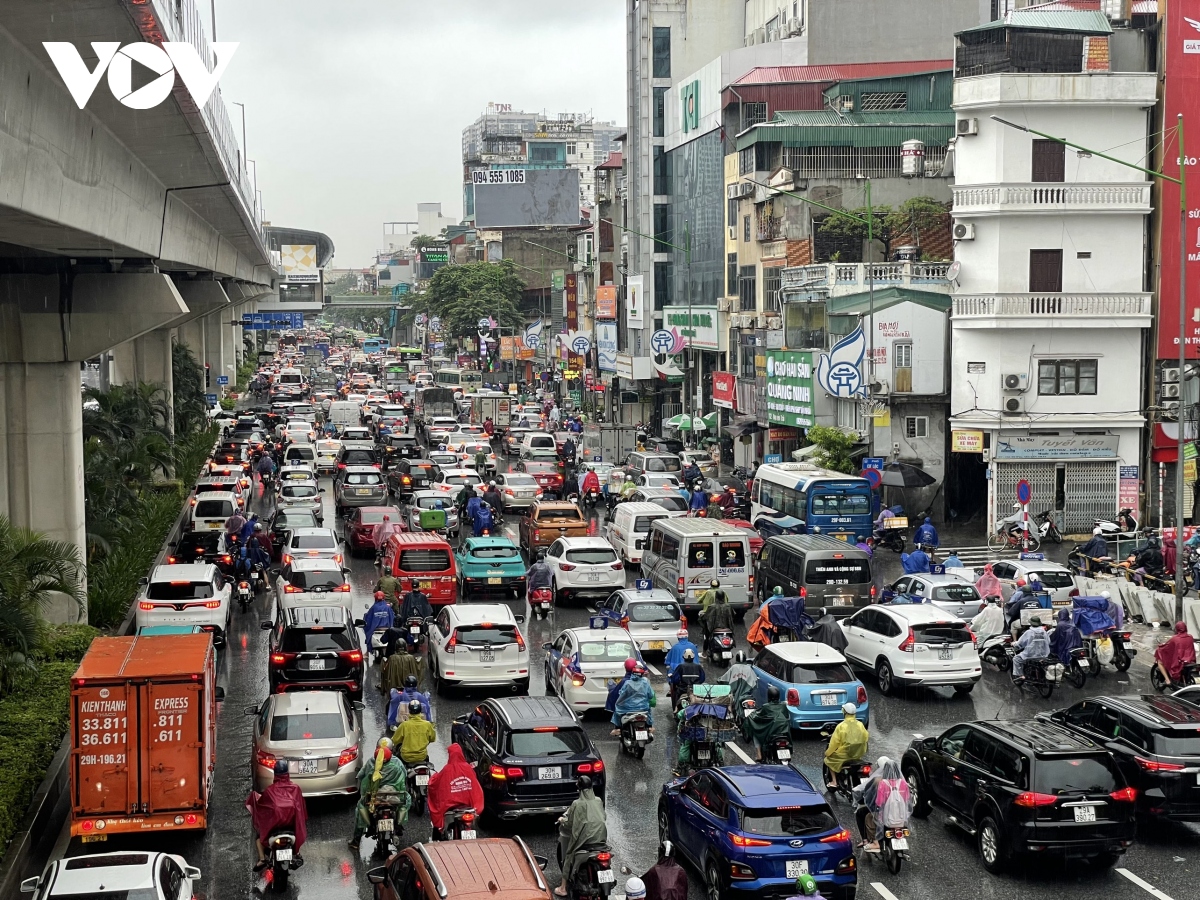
column 537, row 440
column 683, row 556
column 629, row 528
column 344, row 412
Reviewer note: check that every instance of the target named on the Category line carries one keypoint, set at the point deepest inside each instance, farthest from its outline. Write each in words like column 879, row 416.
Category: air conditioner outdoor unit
column 967, row 126
column 1015, row 381
column 732, row 233
column 795, row 26
column 724, row 304
column 964, row 231
column 1170, row 392
column 736, row 321
column 881, row 387
column 774, row 322
column 1170, row 409
column 1169, row 374
column 760, row 320
column 845, row 103
column 1014, row 405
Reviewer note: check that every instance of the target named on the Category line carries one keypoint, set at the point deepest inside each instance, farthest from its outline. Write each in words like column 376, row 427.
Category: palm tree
column 32, row 569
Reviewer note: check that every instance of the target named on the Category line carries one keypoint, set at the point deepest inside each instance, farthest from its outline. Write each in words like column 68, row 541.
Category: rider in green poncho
column 770, row 721
column 581, row 827
column 385, row 770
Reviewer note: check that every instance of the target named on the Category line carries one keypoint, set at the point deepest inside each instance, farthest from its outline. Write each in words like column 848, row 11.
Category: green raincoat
column 583, row 827
column 392, row 775
column 769, row 722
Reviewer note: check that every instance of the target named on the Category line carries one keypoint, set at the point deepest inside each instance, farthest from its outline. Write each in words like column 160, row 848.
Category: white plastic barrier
column 1191, row 615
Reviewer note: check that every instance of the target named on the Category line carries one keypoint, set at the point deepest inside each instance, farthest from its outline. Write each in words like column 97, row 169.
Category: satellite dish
column 952, row 270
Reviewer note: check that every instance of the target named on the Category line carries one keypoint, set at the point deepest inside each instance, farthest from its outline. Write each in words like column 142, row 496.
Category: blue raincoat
column 915, row 562
column 926, row 534
column 1065, row 637
column 675, row 655
column 378, row 617
column 634, row 696
column 399, row 698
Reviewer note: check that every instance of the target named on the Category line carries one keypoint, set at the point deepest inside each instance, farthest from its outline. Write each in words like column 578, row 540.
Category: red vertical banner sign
column 1182, row 96
column 571, row 301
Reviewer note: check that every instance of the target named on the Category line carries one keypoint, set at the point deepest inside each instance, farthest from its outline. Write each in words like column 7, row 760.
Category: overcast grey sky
column 355, row 108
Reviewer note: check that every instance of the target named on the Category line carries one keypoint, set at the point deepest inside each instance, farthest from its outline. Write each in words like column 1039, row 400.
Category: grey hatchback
column 358, row 486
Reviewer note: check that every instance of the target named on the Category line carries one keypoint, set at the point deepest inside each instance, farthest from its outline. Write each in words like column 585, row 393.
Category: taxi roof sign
column 643, row 584
column 598, row 622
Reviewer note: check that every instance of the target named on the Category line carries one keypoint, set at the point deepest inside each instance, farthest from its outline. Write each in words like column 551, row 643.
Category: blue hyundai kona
column 756, row 829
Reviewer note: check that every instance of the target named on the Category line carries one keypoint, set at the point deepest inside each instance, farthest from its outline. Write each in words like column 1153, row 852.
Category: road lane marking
column 653, row 671
column 883, row 892
column 1144, row 885
column 740, row 752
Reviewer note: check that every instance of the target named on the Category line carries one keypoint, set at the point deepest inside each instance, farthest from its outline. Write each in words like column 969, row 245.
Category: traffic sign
column 222, row 379
column 873, row 477
column 210, row 399
column 873, row 462
column 1024, row 493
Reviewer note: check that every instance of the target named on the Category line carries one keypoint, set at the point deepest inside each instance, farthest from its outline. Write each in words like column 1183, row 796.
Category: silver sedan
column 951, row 593
column 320, row 735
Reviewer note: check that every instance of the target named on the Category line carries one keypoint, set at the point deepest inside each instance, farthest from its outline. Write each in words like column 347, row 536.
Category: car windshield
column 1055, row 579
column 362, row 478
column 433, row 503
column 837, row 571
column 294, row 520
column 298, row 491
column 541, row 468
column 560, row 514
column 314, row 542
column 559, row 742
column 318, row 580
column 592, row 556
column 494, row 552
column 672, row 504
column 822, row 673
column 942, row 633
column 520, row 481
column 663, row 464
column 432, row 560
column 841, row 504
column 131, row 894
column 653, row 612
column 358, row 457
column 606, row 651
column 214, row 509
column 180, row 590
column 307, row 727
column 956, row 593
column 641, row 524
column 801, row 820
column 1088, row 774
column 463, row 479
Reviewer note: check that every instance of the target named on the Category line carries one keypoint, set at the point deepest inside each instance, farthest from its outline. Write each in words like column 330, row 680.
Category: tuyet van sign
column 166, row 60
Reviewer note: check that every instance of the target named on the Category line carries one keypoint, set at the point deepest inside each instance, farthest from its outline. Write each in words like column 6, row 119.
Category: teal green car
column 490, row 565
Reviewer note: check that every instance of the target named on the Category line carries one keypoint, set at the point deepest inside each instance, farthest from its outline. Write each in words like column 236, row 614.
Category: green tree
column 419, row 239
column 462, row 295
column 833, row 448
column 187, row 377
column 891, row 227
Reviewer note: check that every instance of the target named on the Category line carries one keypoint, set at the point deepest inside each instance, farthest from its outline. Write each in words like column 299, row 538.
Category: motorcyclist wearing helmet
column 884, row 801
column 386, row 771
column 414, row 735
column 684, row 675
column 378, row 619
column 400, row 699
column 708, row 598
column 716, row 617
column 675, row 655
column 493, row 498
column 415, row 605
column 278, row 808
column 539, row 574
column 580, row 827
column 847, row 744
column 1028, row 596
column 806, row 889
column 769, row 722
column 454, row 786
column 590, row 483
column 699, row 501
column 636, row 695
column 263, row 536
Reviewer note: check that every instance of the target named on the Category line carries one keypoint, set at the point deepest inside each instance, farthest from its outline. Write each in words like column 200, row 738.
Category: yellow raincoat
column 848, row 744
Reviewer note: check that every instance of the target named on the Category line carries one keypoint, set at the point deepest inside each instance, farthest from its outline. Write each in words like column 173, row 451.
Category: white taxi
column 583, row 663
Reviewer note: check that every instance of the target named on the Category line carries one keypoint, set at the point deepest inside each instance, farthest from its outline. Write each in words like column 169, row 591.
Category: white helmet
column 1096, row 530
column 491, row 484
column 850, row 709
column 1106, row 595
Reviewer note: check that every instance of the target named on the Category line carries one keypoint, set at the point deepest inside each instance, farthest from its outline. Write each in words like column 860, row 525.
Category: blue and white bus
column 800, row 498
column 373, row 345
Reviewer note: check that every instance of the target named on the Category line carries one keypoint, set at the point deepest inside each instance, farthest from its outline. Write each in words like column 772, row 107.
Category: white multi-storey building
column 1050, row 303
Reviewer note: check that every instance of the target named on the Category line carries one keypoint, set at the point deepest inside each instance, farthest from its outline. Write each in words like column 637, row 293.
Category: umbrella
column 712, row 420
column 678, row 422
column 698, row 424
column 685, row 423
column 903, row 475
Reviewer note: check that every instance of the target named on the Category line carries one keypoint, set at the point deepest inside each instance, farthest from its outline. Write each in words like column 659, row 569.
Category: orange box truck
column 143, row 732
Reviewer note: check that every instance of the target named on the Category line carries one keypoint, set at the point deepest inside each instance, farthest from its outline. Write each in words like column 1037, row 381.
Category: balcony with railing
column 997, row 199
column 840, row 279
column 1051, row 309
column 770, row 228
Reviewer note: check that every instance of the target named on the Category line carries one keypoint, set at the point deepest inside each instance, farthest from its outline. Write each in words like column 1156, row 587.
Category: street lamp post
column 1180, row 586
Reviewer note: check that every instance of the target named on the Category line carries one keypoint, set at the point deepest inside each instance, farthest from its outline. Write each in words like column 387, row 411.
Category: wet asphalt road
column 944, row 862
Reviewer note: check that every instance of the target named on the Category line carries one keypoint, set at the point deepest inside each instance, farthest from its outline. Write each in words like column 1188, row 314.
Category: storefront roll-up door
column 1040, row 476
column 1091, row 489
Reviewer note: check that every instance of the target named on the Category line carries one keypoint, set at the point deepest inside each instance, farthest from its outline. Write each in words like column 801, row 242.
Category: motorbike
column 720, row 647
column 894, row 538
column 635, row 734
column 778, row 750
column 280, row 858
column 258, row 578
column 418, row 786
column 1123, row 522
column 415, row 626
column 1189, row 675
column 1075, row 671
column 382, row 812
column 1123, row 651
column 678, row 693
column 1041, row 675
column 1046, row 527
column 594, row 878
column 243, row 594
column 893, row 847
column 459, row 824
column 591, row 500
column 540, row 600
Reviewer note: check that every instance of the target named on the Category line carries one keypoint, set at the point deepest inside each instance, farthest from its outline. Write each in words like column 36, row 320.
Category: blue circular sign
column 873, row 477
column 662, row 341
column 581, row 345
column 1023, row 491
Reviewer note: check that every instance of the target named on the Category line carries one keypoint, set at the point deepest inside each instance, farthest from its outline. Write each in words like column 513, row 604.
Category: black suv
column 400, row 446
column 315, row 647
column 528, row 752
column 234, row 452
column 408, row 475
column 1156, row 743
column 1024, row 788
column 357, row 453
column 283, row 522
column 202, row 547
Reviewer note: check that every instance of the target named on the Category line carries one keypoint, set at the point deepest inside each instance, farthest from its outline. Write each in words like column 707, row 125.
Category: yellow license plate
column 493, row 581
column 93, row 838
column 425, row 585
column 656, row 645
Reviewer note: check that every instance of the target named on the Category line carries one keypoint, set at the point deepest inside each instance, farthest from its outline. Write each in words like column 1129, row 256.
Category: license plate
column 594, row 576
column 550, row 773
column 422, row 780
column 1085, row 814
column 843, row 601
column 656, row 645
column 93, row 838
column 212, row 526
column 487, row 655
column 827, row 699
column 784, row 753
column 425, row 585
column 946, row 654
column 362, row 492
column 414, row 629
column 468, row 835
column 796, row 867
column 704, row 754
column 307, row 767
column 314, row 664
column 899, row 843
column 641, row 736
column 283, row 855
column 385, row 826
column 726, row 654
column 606, row 876
column 494, row 581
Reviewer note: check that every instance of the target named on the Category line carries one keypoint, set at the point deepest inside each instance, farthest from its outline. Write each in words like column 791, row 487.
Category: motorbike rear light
column 740, row 840
column 1032, row 799
column 1150, row 765
column 847, row 866
column 793, row 697
column 566, row 567
column 1125, row 795
column 354, row 656
column 909, row 642
column 241, row 584
column 837, row 837
column 604, row 856
column 227, row 559
column 618, row 565
column 861, row 696
column 265, row 759
column 347, row 756
column 145, row 606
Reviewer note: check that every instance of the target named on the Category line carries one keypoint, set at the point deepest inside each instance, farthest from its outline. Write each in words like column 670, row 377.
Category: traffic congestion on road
column 433, row 619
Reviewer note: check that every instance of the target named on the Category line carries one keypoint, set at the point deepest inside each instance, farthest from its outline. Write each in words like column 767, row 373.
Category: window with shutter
column 1045, row 271
column 1049, row 161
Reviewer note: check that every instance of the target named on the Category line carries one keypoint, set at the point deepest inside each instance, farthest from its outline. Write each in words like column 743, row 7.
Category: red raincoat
column 1179, row 651
column 279, row 807
column 453, row 785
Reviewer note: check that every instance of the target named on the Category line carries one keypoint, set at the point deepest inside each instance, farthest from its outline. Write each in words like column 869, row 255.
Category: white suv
column 478, row 644
column 917, row 644
column 313, row 582
column 147, row 875
column 584, row 565
column 186, row 594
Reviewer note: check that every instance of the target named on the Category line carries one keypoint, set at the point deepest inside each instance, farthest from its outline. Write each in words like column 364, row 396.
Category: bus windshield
column 823, row 504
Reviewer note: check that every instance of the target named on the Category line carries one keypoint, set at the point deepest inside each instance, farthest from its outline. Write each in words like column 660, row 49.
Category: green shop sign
column 698, row 324
column 790, row 388
column 689, row 106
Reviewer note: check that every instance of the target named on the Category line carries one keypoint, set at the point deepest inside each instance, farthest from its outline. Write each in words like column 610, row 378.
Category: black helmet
column 772, row 694
column 281, row 767
column 410, row 682
column 414, row 707
column 714, row 583
column 584, row 783
column 740, row 657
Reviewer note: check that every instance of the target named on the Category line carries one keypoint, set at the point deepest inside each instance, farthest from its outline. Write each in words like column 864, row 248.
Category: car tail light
column 215, row 604
column 452, row 643
column 514, row 772
column 171, row 560
column 872, row 592
column 584, row 769
column 1125, row 795
column 740, row 840
column 566, row 567
column 1074, row 592
column 537, row 535
column 1032, row 799
column 520, row 640
column 909, row 642
column 598, row 766
column 618, row 565
column 354, row 656
column 241, row 501
column 509, row 491
column 847, row 866
column 343, row 588
column 578, row 679
column 803, row 592
column 145, row 606
column 88, row 825
column 861, row 697
column 278, row 659
column 837, row 837
column 347, row 756
column 679, row 586
column 227, row 559
column 1150, row 765
column 288, row 559
column 192, row 501
column 497, row 772
column 793, row 697
column 292, row 589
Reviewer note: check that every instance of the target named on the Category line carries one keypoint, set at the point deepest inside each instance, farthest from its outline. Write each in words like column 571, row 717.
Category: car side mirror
column 143, row 581
column 357, row 705
column 250, row 710
column 172, row 544
column 219, row 694
column 359, row 623
column 519, row 618
column 378, row 875
column 192, row 872
column 29, row 885
column 547, row 646
column 266, row 625
column 460, row 720
column 347, row 571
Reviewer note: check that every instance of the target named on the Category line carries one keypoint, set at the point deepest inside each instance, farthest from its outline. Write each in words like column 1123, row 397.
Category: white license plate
column 726, row 654
column 1085, row 814
column 946, row 654
column 487, row 655
column 494, row 581
column 606, row 876
column 641, row 735
column 385, row 826
column 593, row 576
column 784, row 753
column 704, row 754
column 317, row 664
column 842, row 601
column 422, row 780
column 307, row 767
column 899, row 843
column 468, row 835
column 283, row 855
column 550, row 773
column 796, row 867
column 828, row 699
column 414, row 629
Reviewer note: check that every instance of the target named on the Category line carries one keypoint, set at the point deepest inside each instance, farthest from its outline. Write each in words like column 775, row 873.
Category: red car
column 546, row 474
column 756, row 539
column 360, row 527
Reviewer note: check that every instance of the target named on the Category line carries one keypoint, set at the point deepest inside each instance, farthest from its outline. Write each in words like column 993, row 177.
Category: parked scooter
column 1123, row 523
column 1047, row 528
